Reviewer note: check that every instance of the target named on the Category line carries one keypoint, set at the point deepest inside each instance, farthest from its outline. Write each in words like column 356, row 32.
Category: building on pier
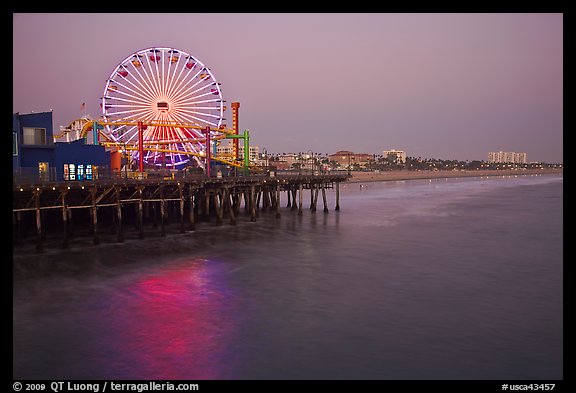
column 36, row 156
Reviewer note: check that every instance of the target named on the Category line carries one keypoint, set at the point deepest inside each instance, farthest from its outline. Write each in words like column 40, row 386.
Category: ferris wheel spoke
column 190, row 148
column 128, row 106
column 167, row 75
column 137, row 90
column 181, row 118
column 193, row 115
column 133, row 101
column 128, row 115
column 122, row 134
column 214, row 100
column 207, row 117
column 148, row 88
column 192, row 132
column 189, row 71
column 192, row 112
column 170, row 81
column 155, row 76
column 187, row 96
column 181, row 135
column 192, row 100
column 204, row 121
column 185, row 91
column 179, row 80
column 193, row 120
column 206, row 112
column 124, row 93
column 148, row 118
column 148, row 71
column 159, row 76
column 183, row 84
column 129, row 74
column 131, row 135
column 163, row 78
column 148, row 81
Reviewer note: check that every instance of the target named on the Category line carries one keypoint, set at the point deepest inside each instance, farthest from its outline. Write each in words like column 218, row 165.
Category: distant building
column 286, row 160
column 348, row 159
column 396, row 156
column 282, row 161
column 507, row 157
column 300, row 160
column 228, row 152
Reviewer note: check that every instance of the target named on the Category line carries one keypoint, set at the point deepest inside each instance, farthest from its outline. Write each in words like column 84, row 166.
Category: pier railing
column 30, row 177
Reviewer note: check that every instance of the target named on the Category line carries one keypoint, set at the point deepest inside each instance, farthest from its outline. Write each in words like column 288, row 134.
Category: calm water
column 421, row 279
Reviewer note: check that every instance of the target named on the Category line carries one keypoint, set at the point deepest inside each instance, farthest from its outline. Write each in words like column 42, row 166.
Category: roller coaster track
column 224, row 133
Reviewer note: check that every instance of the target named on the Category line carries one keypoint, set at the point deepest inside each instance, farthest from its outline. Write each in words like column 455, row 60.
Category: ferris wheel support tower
column 235, row 107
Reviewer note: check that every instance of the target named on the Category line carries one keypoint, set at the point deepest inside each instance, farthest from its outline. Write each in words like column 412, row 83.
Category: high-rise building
column 507, row 157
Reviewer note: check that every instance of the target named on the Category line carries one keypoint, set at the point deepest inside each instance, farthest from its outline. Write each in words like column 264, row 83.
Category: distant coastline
column 361, row 177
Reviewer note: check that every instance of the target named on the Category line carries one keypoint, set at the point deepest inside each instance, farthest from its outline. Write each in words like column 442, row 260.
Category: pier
column 66, row 210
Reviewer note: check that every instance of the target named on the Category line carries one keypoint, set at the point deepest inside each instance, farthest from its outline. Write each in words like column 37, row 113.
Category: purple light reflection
column 173, row 324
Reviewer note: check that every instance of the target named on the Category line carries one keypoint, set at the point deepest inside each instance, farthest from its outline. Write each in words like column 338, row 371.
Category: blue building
column 33, row 145
column 77, row 160
column 35, row 156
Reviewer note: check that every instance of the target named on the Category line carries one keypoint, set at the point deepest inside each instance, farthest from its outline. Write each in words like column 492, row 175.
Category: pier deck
column 112, row 204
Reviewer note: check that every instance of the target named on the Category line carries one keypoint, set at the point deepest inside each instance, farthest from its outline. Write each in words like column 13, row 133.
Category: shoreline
column 361, row 177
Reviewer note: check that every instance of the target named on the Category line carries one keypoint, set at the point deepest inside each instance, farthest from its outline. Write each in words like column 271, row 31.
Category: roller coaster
column 81, row 128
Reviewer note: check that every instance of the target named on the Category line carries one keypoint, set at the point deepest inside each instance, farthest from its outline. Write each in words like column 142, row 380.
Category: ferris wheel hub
column 162, row 106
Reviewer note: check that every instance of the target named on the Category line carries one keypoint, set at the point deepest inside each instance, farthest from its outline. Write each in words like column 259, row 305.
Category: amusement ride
column 164, row 108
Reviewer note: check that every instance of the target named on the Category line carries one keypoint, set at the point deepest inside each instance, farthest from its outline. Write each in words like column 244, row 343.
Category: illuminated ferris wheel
column 173, row 91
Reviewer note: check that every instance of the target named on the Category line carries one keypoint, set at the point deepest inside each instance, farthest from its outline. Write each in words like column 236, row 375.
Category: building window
column 43, row 171
column 72, row 171
column 14, row 144
column 80, row 172
column 34, row 136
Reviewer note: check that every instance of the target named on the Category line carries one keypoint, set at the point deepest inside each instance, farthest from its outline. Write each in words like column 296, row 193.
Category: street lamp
column 265, row 153
column 125, row 161
column 311, row 155
column 349, row 163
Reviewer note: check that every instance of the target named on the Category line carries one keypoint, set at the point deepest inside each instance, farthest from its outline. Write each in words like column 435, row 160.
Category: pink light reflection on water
column 174, row 324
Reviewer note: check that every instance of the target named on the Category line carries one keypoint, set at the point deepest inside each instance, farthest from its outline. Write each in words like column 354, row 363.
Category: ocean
column 433, row 279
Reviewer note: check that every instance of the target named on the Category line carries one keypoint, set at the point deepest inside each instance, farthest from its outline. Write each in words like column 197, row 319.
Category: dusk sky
column 451, row 86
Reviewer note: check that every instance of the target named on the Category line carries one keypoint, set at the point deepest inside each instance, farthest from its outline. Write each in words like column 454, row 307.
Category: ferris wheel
column 173, row 92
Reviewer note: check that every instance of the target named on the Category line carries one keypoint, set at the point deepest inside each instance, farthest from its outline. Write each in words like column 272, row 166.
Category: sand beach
column 361, row 177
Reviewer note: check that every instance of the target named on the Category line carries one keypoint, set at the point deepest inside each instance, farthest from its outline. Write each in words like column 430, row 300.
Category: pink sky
column 452, row 86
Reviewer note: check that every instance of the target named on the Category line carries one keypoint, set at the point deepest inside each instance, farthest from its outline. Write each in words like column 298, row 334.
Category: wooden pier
column 112, row 205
